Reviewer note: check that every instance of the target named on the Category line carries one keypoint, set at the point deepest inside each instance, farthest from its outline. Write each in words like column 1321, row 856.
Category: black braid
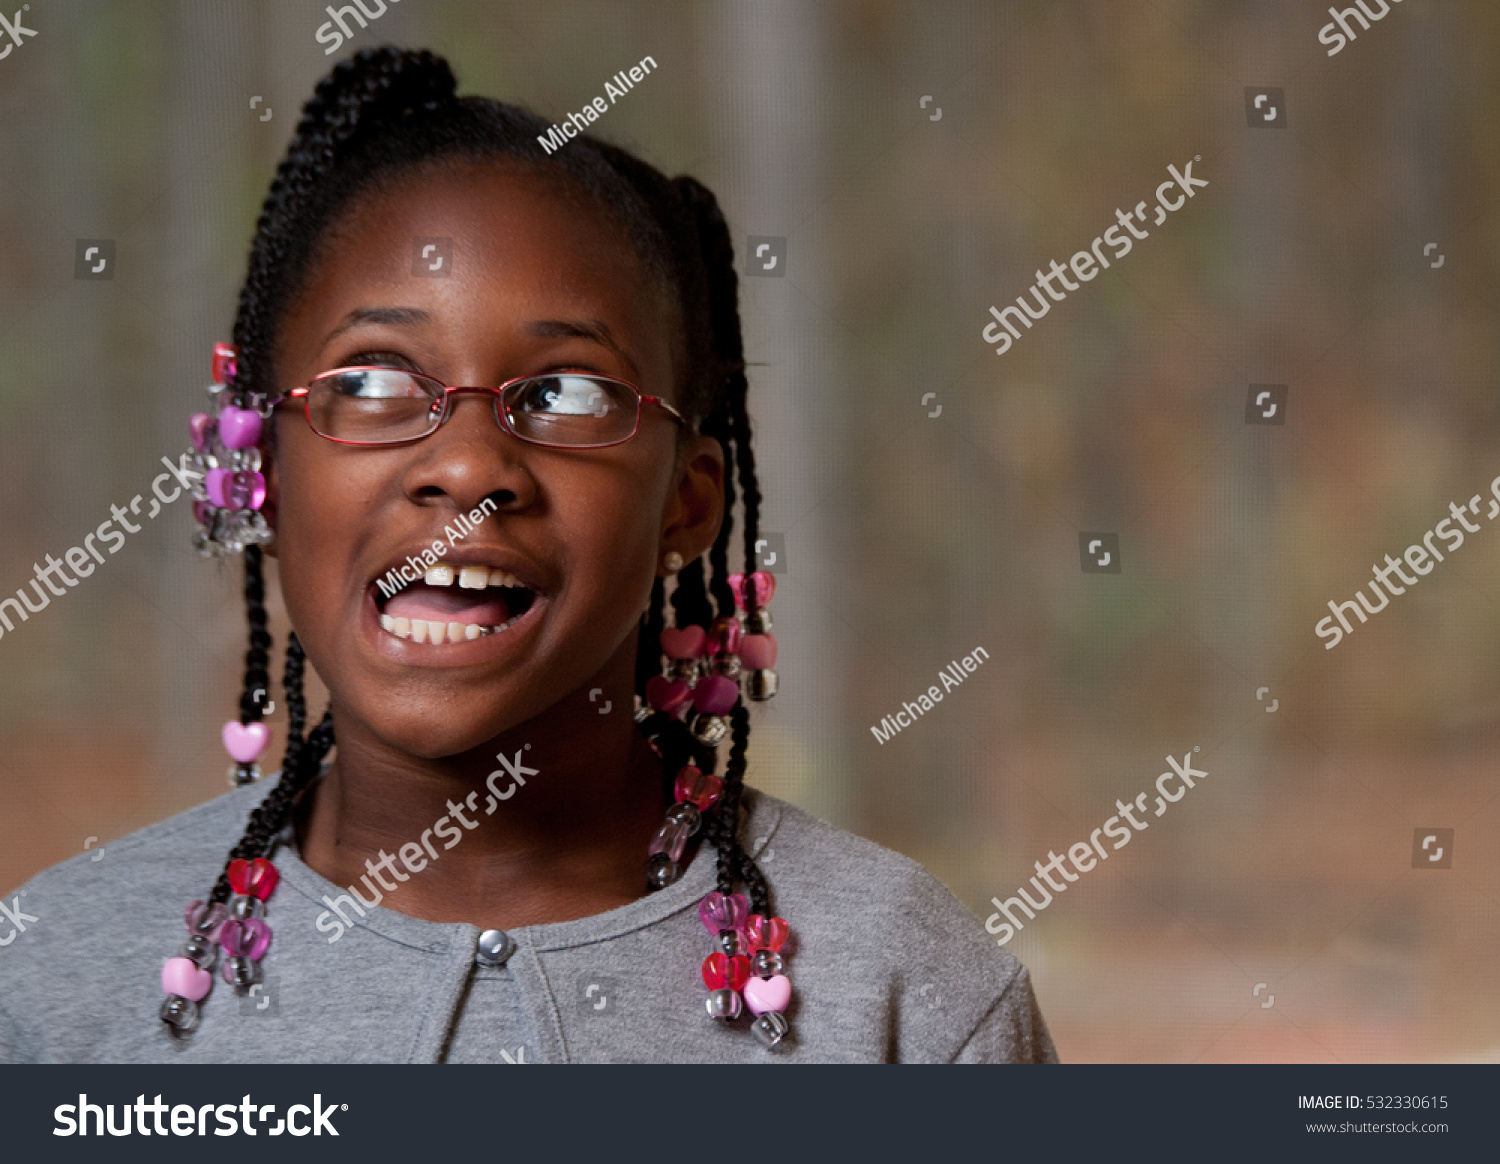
column 257, row 658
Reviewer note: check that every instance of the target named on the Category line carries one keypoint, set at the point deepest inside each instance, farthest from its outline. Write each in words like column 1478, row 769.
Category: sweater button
column 494, row 947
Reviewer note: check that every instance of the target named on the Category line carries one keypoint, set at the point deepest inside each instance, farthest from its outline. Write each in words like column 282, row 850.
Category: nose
column 471, row 457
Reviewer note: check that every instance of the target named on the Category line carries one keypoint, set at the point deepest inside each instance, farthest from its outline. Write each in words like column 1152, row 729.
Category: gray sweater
column 887, row 965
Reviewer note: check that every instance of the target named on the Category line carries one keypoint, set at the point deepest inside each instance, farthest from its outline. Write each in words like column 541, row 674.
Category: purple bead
column 245, row 939
column 203, row 513
column 200, row 426
column 719, row 912
column 213, row 484
column 670, row 839
column 239, row 428
column 205, row 919
column 246, row 489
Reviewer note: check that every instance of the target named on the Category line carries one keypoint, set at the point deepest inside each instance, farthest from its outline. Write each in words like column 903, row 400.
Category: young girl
column 486, row 408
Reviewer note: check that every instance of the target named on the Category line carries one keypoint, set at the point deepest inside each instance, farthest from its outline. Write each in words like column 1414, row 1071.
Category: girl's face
column 532, row 281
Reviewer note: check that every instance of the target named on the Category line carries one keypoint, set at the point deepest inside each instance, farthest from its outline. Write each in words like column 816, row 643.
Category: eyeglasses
column 385, row 406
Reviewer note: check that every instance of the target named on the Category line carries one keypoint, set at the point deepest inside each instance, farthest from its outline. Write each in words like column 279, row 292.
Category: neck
column 546, row 822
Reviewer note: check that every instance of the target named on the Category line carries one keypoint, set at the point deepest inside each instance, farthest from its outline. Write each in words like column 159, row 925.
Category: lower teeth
column 421, row 630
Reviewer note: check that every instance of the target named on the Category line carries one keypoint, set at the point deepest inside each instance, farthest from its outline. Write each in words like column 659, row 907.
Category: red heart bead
column 255, row 878
column 699, row 788
column 765, row 933
column 721, row 971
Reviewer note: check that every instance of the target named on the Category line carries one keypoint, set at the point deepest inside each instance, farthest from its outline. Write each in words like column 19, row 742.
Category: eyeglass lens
column 385, row 405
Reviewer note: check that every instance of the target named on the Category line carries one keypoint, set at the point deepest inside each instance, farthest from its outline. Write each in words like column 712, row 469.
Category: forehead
column 515, row 242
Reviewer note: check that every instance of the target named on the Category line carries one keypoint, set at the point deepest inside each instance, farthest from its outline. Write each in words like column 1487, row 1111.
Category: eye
column 565, row 394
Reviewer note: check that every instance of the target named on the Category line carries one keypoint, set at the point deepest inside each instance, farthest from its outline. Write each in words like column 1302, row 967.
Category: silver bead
column 661, row 871
column 242, row 459
column 731, row 943
column 685, row 670
column 760, row 685
column 180, row 1014
column 643, row 711
column 766, row 963
column 723, row 1005
column 709, row 729
column 241, row 971
column 727, row 665
column 201, row 952
column 758, row 622
column 242, row 907
column 242, row 774
column 494, row 948
column 687, row 815
column 770, row 1028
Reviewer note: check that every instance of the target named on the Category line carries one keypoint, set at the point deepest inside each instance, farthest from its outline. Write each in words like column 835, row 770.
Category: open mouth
column 455, row 603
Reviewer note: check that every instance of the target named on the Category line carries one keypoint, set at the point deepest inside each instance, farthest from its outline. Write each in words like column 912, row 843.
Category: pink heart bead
column 249, row 938
column 763, row 994
column 765, row 588
column 239, row 428
column 682, row 642
column 668, row 695
column 180, row 976
column 245, row 742
column 715, row 694
column 205, row 919
column 758, row 652
column 718, row 912
column 200, row 427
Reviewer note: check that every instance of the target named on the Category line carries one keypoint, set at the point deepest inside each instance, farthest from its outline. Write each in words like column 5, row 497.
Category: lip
column 495, row 557
column 510, row 643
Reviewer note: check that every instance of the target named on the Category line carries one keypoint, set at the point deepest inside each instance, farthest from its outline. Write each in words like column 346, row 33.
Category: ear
column 695, row 503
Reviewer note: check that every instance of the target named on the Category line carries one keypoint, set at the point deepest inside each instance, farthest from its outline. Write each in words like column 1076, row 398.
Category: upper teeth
column 469, row 577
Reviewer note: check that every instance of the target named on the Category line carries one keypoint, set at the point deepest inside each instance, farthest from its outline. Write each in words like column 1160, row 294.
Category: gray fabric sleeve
column 1013, row 1030
column 10, row 1040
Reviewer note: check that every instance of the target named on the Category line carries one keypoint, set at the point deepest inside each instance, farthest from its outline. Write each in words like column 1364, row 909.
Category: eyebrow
column 589, row 329
column 399, row 316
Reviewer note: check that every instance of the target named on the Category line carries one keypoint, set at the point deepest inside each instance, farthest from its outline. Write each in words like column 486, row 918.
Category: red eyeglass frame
column 502, row 416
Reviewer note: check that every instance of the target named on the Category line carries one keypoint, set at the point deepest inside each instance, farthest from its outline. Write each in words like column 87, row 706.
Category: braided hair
column 386, row 112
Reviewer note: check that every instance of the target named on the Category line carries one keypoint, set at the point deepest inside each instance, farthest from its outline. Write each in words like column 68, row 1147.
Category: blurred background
column 920, row 161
